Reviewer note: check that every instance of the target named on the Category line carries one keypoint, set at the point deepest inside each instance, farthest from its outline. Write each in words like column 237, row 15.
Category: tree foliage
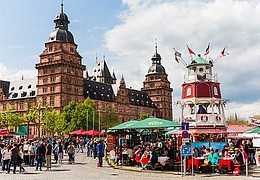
column 110, row 118
column 10, row 119
column 143, row 116
column 80, row 116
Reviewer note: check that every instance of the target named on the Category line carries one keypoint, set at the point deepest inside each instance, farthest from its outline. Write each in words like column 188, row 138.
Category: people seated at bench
column 216, row 157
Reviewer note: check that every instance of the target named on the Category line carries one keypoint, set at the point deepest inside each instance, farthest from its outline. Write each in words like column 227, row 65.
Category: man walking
column 100, row 152
column 14, row 157
column 48, row 155
column 40, row 152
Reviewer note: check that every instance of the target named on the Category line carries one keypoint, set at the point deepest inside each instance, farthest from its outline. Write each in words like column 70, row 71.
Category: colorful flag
column 190, row 51
column 177, row 56
column 207, row 50
column 223, row 52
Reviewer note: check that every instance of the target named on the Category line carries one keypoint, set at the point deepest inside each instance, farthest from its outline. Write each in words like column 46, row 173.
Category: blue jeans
column 100, row 158
column 31, row 160
column 39, row 162
column 14, row 162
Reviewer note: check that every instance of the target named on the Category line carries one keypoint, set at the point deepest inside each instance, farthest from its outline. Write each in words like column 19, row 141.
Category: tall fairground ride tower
column 202, row 105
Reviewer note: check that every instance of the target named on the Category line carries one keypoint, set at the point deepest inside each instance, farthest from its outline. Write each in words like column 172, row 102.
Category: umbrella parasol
column 92, row 132
column 153, row 123
column 78, row 132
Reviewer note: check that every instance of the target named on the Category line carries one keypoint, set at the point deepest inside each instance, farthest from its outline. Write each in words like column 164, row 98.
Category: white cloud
column 177, row 23
column 12, row 75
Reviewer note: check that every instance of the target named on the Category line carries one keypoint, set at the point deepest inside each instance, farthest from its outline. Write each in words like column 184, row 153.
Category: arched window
column 188, row 92
column 215, row 91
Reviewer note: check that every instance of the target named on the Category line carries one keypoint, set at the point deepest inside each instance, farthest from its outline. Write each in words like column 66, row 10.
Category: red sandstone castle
column 60, row 80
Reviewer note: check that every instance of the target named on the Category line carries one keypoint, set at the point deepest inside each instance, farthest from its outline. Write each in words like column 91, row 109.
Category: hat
column 236, row 149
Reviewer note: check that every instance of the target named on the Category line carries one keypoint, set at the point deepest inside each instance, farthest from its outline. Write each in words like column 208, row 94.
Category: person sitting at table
column 216, row 157
column 208, row 156
column 138, row 154
column 238, row 157
column 144, row 160
column 202, row 150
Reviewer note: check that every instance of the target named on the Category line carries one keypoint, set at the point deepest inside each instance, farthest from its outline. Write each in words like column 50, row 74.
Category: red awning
column 4, row 132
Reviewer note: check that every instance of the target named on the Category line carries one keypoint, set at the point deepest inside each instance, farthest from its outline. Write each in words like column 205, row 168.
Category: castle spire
column 61, row 6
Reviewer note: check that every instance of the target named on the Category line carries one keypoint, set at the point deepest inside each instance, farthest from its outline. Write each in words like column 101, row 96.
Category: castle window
column 44, row 90
column 12, row 88
column 24, row 94
column 14, row 95
column 21, row 87
column 68, row 70
column 52, row 70
column 50, row 48
column 45, row 80
column 71, row 49
column 52, row 88
column 29, row 86
column 52, row 101
column 95, row 70
column 50, row 59
column 21, row 105
column 76, row 73
column 53, row 78
column 45, row 71
column 32, row 93
column 201, row 70
column 44, row 101
column 98, row 64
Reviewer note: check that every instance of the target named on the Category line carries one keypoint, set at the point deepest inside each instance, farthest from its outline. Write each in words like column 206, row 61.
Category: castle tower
column 202, row 105
column 60, row 71
column 157, row 86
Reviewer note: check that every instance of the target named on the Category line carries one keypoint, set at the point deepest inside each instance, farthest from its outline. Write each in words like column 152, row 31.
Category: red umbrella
column 92, row 132
column 78, row 132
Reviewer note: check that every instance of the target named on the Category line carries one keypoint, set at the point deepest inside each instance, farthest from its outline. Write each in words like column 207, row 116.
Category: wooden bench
column 213, row 167
column 206, row 168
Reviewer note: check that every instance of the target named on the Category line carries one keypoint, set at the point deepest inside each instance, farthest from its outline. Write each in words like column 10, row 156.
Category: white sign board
column 185, row 140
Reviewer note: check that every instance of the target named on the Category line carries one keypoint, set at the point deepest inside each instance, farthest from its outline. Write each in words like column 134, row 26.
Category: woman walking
column 6, row 158
column 71, row 153
column 21, row 159
column 60, row 152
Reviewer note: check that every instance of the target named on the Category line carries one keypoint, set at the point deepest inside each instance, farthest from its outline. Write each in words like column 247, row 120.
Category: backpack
column 70, row 150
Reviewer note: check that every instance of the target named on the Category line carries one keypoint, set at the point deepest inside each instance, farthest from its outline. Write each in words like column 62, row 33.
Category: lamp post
column 87, row 122
column 99, row 123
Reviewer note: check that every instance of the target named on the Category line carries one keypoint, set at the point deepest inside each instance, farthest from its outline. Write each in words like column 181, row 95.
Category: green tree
column 50, row 117
column 144, row 116
column 10, row 118
column 80, row 115
column 110, row 118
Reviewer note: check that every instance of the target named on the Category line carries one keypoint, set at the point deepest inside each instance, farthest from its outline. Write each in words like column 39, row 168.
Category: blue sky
column 125, row 30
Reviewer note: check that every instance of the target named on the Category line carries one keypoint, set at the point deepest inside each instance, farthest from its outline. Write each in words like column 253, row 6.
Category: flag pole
column 180, row 58
column 191, row 58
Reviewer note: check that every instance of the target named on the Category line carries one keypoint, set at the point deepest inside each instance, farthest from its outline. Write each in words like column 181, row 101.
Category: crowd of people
column 146, row 154
column 38, row 153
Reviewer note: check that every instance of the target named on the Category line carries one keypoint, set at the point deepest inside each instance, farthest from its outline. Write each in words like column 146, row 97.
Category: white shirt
column 6, row 155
